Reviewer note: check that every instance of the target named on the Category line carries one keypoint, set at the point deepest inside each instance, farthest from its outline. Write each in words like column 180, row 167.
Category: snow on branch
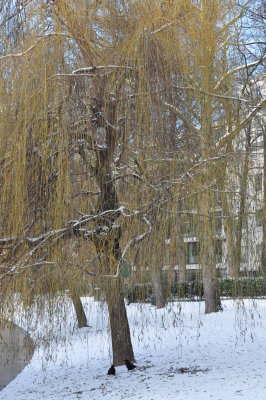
column 181, row 116
column 89, row 71
column 133, row 243
column 163, row 27
column 25, row 52
column 237, row 69
column 7, row 241
column 231, row 135
column 98, row 68
column 74, row 227
column 219, row 96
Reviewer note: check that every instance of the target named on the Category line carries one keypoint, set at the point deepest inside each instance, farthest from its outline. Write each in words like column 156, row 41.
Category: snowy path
column 223, row 354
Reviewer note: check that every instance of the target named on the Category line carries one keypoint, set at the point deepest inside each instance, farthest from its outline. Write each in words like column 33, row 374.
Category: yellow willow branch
column 25, row 52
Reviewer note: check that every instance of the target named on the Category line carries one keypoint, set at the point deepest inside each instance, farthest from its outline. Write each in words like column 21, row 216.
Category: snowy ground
column 222, row 356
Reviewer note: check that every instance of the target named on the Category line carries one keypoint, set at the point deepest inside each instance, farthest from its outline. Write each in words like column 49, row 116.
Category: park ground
column 181, row 353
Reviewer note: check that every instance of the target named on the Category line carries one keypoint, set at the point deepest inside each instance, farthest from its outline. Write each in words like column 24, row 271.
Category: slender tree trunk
column 242, row 208
column 229, row 227
column 263, row 259
column 211, row 291
column 207, row 241
column 209, row 275
column 182, row 266
column 158, row 288
column 208, row 259
column 80, row 313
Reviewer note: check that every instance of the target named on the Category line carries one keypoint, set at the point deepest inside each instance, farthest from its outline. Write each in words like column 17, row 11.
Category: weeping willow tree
column 108, row 143
column 79, row 92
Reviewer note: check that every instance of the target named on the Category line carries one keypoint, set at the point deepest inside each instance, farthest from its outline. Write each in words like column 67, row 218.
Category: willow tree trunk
column 120, row 332
column 107, row 242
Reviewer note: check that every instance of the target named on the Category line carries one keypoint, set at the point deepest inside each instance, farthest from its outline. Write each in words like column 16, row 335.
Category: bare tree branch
column 237, row 69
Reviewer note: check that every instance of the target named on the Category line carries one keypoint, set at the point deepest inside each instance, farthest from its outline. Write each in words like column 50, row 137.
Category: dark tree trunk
column 182, row 267
column 158, row 289
column 208, row 259
column 107, row 242
column 211, row 290
column 80, row 313
column 120, row 332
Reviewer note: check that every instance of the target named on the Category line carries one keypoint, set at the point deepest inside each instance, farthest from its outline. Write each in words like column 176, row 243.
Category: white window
column 193, row 251
column 258, row 183
column 259, row 252
column 259, row 217
column 244, row 254
column 219, row 251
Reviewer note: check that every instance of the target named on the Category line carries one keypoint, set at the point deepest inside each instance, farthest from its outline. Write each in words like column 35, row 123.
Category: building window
column 190, row 225
column 259, row 217
column 218, row 222
column 219, row 251
column 258, row 183
column 244, row 254
column 193, row 251
column 216, row 217
column 217, row 198
column 259, row 252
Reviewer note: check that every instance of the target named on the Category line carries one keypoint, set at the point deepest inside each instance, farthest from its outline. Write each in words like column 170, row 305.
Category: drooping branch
column 218, row 96
column 231, row 135
column 237, row 69
column 98, row 68
column 181, row 116
column 29, row 49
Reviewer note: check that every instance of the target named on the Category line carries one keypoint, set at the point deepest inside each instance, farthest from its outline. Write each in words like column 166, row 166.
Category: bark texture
column 120, row 332
column 158, row 289
column 107, row 239
column 80, row 313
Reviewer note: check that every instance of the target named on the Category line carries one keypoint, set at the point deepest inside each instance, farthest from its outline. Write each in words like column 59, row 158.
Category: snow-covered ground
column 222, row 356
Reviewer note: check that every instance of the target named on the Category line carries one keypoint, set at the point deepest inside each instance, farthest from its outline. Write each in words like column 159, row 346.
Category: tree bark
column 107, row 242
column 80, row 313
column 207, row 241
column 158, row 289
column 182, row 266
column 263, row 258
column 208, row 259
column 211, row 291
column 120, row 332
column 242, row 208
column 210, row 280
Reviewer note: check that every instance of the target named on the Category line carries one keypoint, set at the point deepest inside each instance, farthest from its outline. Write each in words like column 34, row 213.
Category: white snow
column 225, row 354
